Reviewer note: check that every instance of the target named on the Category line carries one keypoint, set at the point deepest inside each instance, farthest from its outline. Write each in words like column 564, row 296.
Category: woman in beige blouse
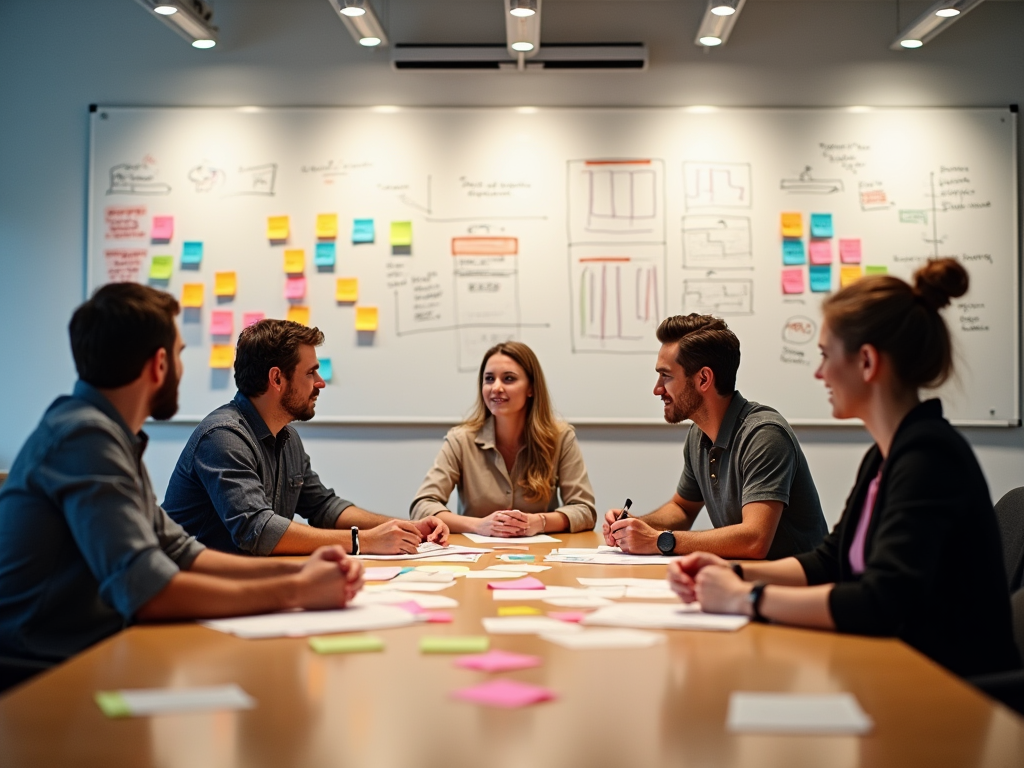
column 511, row 459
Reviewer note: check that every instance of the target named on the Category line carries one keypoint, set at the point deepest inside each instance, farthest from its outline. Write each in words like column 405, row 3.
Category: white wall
column 58, row 56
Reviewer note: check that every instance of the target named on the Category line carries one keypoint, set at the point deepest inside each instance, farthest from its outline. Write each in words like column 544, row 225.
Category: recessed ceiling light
column 723, row 10
column 204, row 43
column 352, row 7
column 523, row 46
column 523, row 8
column 710, row 41
column 369, row 42
column 911, row 43
column 165, row 10
column 947, row 13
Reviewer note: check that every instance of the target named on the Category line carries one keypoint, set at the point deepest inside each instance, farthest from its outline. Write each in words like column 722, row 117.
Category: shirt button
column 714, row 476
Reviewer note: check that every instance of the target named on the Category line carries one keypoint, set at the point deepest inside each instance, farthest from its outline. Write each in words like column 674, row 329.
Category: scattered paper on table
column 454, row 644
column 538, row 539
column 516, row 558
column 526, row 625
column 520, row 567
column 366, row 318
column 295, row 287
column 603, row 555
column 362, row 231
column 792, row 281
column 161, row 268
column 606, row 638
column 299, row 315
column 346, row 644
column 821, row 225
column 518, row 610
column 163, row 228
column 578, row 601
column 527, row 582
column 384, row 573
column 401, row 233
column 192, row 295
column 225, row 283
column 793, row 252
column 849, row 274
column 347, row 289
column 327, row 225
column 437, row 617
column 821, row 278
column 434, row 577
column 664, row 616
column 326, row 369
column 251, row 318
column 456, row 570
column 821, row 251
column 849, row 250
column 487, row 573
column 222, row 322
column 294, row 261
column 429, row 549
column 409, row 586
column 191, row 252
column 301, row 623
column 572, row 616
column 425, row 600
column 277, row 228
column 512, row 595
column 139, row 702
column 325, row 255
column 505, row 693
column 756, row 712
column 792, row 225
column 498, row 661
column 622, row 582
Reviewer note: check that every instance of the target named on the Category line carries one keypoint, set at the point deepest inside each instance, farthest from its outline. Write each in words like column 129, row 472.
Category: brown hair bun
column 939, row 281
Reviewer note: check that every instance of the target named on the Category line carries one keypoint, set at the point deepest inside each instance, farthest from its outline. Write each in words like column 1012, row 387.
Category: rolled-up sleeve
column 574, row 487
column 318, row 503
column 688, row 487
column 442, row 478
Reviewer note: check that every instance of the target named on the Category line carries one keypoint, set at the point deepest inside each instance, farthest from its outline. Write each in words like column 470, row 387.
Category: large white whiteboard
column 574, row 230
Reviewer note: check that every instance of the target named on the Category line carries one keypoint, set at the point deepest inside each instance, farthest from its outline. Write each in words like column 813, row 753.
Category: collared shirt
column 470, row 461
column 83, row 543
column 237, row 487
column 755, row 457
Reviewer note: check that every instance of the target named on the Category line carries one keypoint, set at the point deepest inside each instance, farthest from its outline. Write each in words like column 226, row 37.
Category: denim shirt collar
column 256, row 422
column 90, row 394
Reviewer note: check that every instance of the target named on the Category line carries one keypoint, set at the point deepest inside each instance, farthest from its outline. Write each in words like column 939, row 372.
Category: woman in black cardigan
column 916, row 554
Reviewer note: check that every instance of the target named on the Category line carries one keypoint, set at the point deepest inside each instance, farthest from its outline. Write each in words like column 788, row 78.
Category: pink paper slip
column 497, row 661
column 505, row 693
column 436, row 617
column 527, row 582
column 821, row 251
column 411, row 606
column 574, row 616
column 382, row 574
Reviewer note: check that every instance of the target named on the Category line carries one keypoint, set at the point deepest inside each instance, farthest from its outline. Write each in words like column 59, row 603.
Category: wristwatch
column 666, row 542
column 754, row 597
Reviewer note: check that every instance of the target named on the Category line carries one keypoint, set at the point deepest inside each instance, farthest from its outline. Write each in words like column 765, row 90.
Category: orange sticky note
column 225, row 283
column 327, row 226
column 347, row 289
column 792, row 225
column 849, row 275
column 366, row 318
column 277, row 228
column 294, row 261
column 299, row 315
column 222, row 356
column 192, row 295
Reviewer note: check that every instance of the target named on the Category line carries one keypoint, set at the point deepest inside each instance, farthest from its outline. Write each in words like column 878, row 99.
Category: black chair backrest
column 1010, row 514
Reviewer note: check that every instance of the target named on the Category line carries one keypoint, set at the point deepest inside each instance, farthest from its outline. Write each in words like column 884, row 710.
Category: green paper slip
column 346, row 644
column 161, row 268
column 450, row 644
column 112, row 704
column 521, row 557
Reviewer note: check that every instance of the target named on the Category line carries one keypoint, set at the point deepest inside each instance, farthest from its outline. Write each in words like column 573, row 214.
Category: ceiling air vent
column 572, row 56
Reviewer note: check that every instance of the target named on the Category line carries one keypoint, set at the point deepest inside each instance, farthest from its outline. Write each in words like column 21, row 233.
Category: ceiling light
column 370, row 42
column 352, row 7
column 361, row 22
column 932, row 22
column 522, row 29
column 204, row 43
column 192, row 19
column 523, row 7
column 719, row 18
column 165, row 10
column 522, row 46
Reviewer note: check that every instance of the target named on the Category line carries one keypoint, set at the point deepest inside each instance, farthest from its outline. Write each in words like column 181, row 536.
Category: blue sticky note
column 326, row 369
column 191, row 252
column 821, row 278
column 362, row 230
column 821, row 225
column 325, row 254
column 792, row 251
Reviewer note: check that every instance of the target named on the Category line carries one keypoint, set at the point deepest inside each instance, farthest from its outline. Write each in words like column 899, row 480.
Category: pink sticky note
column 295, row 288
column 382, row 574
column 849, row 251
column 163, row 228
column 437, row 617
column 411, row 606
column 793, row 280
column 505, row 693
column 222, row 322
column 527, row 582
column 821, row 251
column 497, row 661
column 251, row 318
column 573, row 616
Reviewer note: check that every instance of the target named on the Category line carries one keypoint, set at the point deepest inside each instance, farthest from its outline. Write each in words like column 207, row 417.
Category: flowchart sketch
column 717, row 242
column 617, row 297
column 806, row 184
column 718, row 297
column 617, row 201
column 486, row 305
column 717, row 185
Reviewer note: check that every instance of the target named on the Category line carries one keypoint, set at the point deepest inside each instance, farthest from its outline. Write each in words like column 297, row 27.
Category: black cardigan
column 933, row 573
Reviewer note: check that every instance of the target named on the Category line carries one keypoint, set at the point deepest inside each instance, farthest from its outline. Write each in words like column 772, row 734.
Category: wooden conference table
column 662, row 706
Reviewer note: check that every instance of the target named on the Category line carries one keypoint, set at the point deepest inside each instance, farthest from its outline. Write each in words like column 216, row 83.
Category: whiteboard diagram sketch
column 486, row 295
column 718, row 297
column 620, row 201
column 717, row 185
column 717, row 242
column 806, row 184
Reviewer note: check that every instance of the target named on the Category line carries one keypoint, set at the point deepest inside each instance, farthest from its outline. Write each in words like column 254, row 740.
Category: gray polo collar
column 730, row 420
column 90, row 394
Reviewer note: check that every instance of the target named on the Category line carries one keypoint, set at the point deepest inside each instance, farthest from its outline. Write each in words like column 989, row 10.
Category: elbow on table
column 756, row 548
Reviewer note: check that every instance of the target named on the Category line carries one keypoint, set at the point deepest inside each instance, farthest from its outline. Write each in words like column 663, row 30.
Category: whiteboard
column 573, row 230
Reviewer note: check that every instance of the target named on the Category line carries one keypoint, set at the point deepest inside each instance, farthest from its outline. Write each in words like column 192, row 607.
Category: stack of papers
column 527, row 625
column 796, row 713
column 605, row 638
column 540, row 538
column 664, row 616
column 432, row 551
column 603, row 555
column 154, row 701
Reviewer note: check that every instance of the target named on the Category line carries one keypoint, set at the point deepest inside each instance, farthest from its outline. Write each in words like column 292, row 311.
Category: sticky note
column 225, row 283
column 527, row 582
column 327, row 373
column 792, row 225
column 507, row 694
column 192, row 295
column 454, row 644
column 222, row 356
column 294, row 261
column 346, row 644
column 277, row 228
column 821, row 251
column 849, row 251
column 299, row 315
column 191, row 252
column 347, row 289
column 163, row 228
column 327, row 225
column 516, row 558
column 295, row 288
column 849, row 275
column 362, row 230
column 821, row 278
column 876, row 270
column 251, row 318
column 366, row 318
column 498, row 661
column 518, row 610
column 821, row 225
column 792, row 251
column 161, row 268
column 792, row 281
column 401, row 233
column 325, row 255
column 222, row 322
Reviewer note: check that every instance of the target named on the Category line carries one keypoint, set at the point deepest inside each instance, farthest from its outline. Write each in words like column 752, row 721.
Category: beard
column 164, row 402
column 300, row 407
column 684, row 408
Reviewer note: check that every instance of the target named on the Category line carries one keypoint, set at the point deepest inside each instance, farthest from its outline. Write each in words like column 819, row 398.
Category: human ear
column 870, row 361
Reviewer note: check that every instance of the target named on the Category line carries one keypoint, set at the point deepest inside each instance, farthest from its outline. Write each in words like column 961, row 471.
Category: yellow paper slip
column 277, row 228
column 792, row 225
column 327, row 225
column 518, row 610
column 366, row 318
column 225, row 283
column 849, row 275
column 347, row 289
column 299, row 315
column 294, row 261
column 192, row 295
column 222, row 356
column 401, row 233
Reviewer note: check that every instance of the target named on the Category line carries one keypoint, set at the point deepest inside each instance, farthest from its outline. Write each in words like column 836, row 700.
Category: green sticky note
column 876, row 270
column 453, row 644
column 346, row 644
column 526, row 558
column 401, row 233
column 161, row 268
column 112, row 703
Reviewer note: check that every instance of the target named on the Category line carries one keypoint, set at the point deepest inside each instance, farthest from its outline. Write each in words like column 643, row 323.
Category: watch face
column 666, row 542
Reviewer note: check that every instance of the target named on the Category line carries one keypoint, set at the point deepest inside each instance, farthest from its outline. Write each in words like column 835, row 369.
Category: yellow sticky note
column 792, row 225
column 849, row 275
column 225, row 283
column 518, row 610
column 327, row 225
column 401, row 233
column 347, row 289
column 277, row 227
column 222, row 356
column 366, row 318
column 192, row 295
column 299, row 315
column 294, row 261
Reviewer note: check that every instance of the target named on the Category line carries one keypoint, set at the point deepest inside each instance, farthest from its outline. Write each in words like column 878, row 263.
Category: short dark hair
column 118, row 330
column 270, row 344
column 704, row 341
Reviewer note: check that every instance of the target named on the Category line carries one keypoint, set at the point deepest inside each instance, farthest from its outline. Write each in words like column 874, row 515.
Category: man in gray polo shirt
column 743, row 460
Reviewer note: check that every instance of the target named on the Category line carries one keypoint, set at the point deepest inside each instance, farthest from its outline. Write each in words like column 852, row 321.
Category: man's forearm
column 202, row 596
column 360, row 518
column 214, row 563
column 301, row 539
column 731, row 541
column 669, row 517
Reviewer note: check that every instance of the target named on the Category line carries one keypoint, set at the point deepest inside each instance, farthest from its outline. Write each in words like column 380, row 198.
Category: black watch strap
column 666, row 542
column 737, row 569
column 755, row 597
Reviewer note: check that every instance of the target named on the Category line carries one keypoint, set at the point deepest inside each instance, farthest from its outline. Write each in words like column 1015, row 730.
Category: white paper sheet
column 422, row 599
column 154, row 701
column 603, row 555
column 663, row 616
column 579, row 601
column 300, row 623
column 606, row 638
column 540, row 538
column 409, row 586
column 528, row 625
column 534, row 594
column 663, row 592
column 520, row 567
column 829, row 713
column 430, row 550
column 622, row 582
column 487, row 573
column 434, row 577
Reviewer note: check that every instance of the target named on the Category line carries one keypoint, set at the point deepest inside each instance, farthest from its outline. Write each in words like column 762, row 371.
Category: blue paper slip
column 821, row 278
column 362, row 230
column 326, row 368
column 191, row 252
column 325, row 254
column 821, row 225
column 793, row 252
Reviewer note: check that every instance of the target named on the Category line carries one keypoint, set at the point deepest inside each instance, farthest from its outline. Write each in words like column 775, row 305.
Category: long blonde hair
column 541, row 431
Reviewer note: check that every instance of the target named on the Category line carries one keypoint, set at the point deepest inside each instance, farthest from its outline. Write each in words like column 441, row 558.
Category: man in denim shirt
column 244, row 475
column 84, row 548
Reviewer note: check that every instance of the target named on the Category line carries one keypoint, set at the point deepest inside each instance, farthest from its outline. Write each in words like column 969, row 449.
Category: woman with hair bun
column 916, row 554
